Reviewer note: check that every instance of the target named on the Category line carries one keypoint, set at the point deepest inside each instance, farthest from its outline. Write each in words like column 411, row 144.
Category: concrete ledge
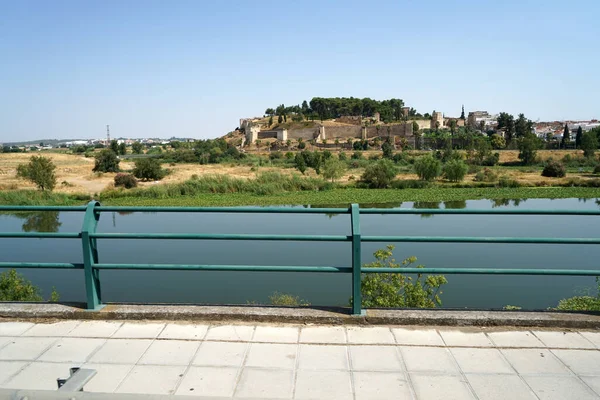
column 302, row 315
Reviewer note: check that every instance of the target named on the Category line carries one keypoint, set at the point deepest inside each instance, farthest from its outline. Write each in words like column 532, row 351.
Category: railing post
column 90, row 257
column 356, row 261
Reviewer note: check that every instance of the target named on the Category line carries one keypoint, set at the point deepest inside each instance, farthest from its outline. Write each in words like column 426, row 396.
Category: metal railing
column 92, row 266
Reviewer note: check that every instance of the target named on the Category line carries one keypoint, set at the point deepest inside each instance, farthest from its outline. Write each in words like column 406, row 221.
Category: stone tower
column 437, row 117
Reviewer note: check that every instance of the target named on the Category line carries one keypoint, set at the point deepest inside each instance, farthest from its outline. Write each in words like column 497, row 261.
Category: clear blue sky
column 193, row 68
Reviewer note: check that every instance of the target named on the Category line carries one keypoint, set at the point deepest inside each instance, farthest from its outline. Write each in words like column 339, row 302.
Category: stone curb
column 302, row 315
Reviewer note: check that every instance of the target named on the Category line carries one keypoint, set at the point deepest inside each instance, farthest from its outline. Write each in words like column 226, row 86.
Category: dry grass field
column 74, row 172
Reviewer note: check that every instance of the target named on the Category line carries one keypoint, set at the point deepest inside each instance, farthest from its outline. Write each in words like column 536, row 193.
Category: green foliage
column 455, row 170
column 106, row 161
column 581, row 303
column 566, row 136
column 554, row 169
column 597, row 169
column 486, row 175
column 497, row 141
column 122, row 148
column 148, row 169
column 127, row 181
column 54, row 295
column 342, row 156
column 15, row 287
column 114, row 146
column 357, row 155
column 399, row 290
column 379, row 174
column 427, row 167
column 511, row 308
column 387, row 149
column 528, row 147
column 507, row 182
column 137, row 148
column 578, row 137
column 333, row 169
column 589, row 144
column 287, row 300
column 40, row 171
column 300, row 163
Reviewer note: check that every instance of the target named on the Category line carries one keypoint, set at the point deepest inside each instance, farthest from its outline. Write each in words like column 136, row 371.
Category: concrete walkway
column 304, row 362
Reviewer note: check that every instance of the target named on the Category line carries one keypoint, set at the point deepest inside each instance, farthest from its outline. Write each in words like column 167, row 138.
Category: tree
column 453, row 125
column 148, row 169
column 589, row 144
column 279, row 119
column 415, row 127
column 270, row 112
column 398, row 290
column 270, row 121
column 462, row 113
column 528, row 147
column 578, row 137
column 497, row 141
column 387, row 149
column 455, row 170
column 40, row 171
column 114, row 146
column 380, row 174
column 333, row 169
column 136, row 148
column 523, row 126
column 300, row 163
column 427, row 167
column 566, row 136
column 506, row 122
column 123, row 148
column 106, row 161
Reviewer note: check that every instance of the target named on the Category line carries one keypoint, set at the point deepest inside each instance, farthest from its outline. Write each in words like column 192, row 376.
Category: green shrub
column 487, row 175
column 396, row 289
column 581, row 303
column 127, row 181
column 40, row 171
column 15, row 287
column 287, row 300
column 106, row 161
column 342, row 156
column 400, row 158
column 455, row 170
column 597, row 169
column 357, row 155
column 333, row 169
column 409, row 184
column 275, row 155
column 427, row 167
column 554, row 169
column 148, row 169
column 379, row 174
column 507, row 182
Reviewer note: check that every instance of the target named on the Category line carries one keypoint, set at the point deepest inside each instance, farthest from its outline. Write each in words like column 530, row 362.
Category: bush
column 597, row 169
column 106, row 161
column 589, row 144
column 275, row 155
column 380, row 174
column 581, row 303
column 455, row 170
column 398, row 290
column 333, row 169
column 342, row 156
column 400, row 158
column 40, row 171
column 148, row 169
column 287, row 300
column 301, row 145
column 15, row 287
column 357, row 155
column 528, row 147
column 487, row 175
column 507, row 182
column 554, row 169
column 127, row 181
column 409, row 184
column 427, row 167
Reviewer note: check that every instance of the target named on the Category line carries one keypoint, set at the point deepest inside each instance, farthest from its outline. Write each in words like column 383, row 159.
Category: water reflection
column 39, row 221
column 506, row 202
column 426, row 204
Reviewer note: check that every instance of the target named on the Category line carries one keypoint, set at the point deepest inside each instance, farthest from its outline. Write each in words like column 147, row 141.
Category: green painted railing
column 92, row 266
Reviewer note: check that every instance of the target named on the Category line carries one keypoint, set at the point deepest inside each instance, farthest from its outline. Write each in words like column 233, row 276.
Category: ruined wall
column 304, row 134
column 344, row 132
column 267, row 135
column 423, row 123
column 394, row 130
column 350, row 119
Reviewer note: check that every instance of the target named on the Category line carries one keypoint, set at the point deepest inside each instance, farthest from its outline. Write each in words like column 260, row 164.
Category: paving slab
column 14, row 328
column 371, row 335
column 151, row 379
column 39, row 376
column 70, row 349
column 134, row 330
column 25, row 348
column 535, row 361
column 515, row 339
column 267, row 355
column 323, row 385
column 375, row 358
column 221, row 354
column 593, row 382
column 170, row 352
column 419, row 337
column 593, row 337
column 273, row 334
column 580, row 362
column 120, row 351
column 95, row 329
column 473, row 360
column 184, row 331
column 234, row 333
column 10, row 368
column 565, row 340
column 323, row 334
column 108, row 377
column 322, row 357
column 61, row 328
column 440, row 387
column 265, row 384
column 560, row 388
column 207, row 381
column 381, row 386
column 457, row 338
column 430, row 359
column 500, row 387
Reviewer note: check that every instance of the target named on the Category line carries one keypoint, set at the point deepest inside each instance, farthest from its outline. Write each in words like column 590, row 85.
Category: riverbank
column 326, row 197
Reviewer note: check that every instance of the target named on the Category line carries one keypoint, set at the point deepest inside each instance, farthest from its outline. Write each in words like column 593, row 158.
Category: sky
column 194, row 68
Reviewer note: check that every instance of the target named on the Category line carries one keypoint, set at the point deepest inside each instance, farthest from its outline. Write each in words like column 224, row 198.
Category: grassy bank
column 334, row 196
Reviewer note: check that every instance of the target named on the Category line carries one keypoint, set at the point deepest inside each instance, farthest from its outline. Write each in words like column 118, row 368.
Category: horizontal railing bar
column 273, row 268
column 259, row 210
column 218, row 236
column 459, row 239
column 40, row 265
column 40, row 235
column 42, row 208
column 475, row 211
column 484, row 271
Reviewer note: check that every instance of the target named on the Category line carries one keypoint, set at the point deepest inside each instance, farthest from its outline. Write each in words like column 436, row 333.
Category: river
column 206, row 287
